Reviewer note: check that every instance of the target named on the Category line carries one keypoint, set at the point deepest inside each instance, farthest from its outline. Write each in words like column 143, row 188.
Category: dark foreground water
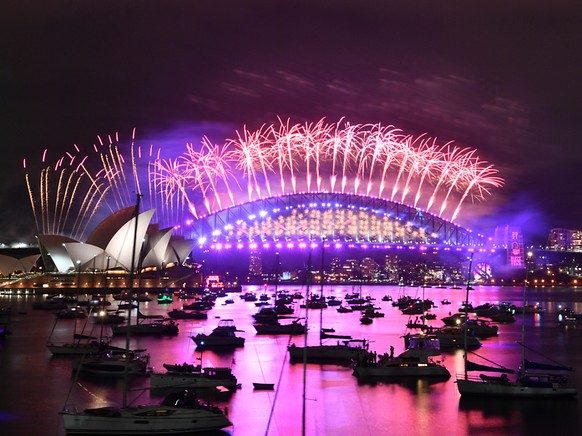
column 34, row 386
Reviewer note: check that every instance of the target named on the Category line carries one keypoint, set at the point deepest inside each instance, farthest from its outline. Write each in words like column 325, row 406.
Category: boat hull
column 328, row 353
column 404, row 370
column 278, row 329
column 478, row 388
column 204, row 341
column 263, row 386
column 190, row 381
column 458, row 341
column 147, row 420
column 147, row 329
column 73, row 349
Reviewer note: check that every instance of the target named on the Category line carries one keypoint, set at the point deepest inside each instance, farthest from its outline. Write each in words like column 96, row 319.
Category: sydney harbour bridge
column 330, row 217
column 281, row 186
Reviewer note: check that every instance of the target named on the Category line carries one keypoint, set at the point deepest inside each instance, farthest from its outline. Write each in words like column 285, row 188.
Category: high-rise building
column 511, row 239
column 335, row 265
column 255, row 264
column 565, row 240
column 368, row 267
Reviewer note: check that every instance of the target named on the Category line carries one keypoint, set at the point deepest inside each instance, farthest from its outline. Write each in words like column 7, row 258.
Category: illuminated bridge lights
column 358, row 221
column 337, row 246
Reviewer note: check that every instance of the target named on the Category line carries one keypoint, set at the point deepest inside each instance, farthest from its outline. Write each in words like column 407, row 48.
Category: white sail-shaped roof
column 158, row 244
column 7, row 264
column 120, row 246
column 83, row 255
column 153, row 245
column 28, row 262
column 54, row 247
column 182, row 248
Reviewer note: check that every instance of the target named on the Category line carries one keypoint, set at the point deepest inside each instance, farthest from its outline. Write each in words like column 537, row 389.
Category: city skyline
column 502, row 79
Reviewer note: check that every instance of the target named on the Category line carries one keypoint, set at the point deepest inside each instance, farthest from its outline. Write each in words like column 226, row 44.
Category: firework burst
column 278, row 159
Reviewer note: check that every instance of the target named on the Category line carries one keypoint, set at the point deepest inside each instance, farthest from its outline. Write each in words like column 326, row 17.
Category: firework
column 277, row 159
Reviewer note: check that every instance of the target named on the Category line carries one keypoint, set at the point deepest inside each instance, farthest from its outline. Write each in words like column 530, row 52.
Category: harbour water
column 35, row 385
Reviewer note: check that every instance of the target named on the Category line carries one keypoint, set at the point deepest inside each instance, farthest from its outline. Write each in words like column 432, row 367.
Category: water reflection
column 336, row 403
column 518, row 416
column 416, row 386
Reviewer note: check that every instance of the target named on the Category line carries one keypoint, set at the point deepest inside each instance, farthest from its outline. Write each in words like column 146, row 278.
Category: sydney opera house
column 161, row 259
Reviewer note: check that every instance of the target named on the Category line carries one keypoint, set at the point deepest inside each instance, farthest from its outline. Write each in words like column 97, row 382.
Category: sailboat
column 155, row 327
column 344, row 351
column 118, row 362
column 80, row 345
column 178, row 413
column 532, row 379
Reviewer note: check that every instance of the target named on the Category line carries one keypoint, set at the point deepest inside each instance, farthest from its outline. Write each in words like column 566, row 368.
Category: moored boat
column 178, row 413
column 165, row 298
column 182, row 367
column 263, row 386
column 183, row 314
column 82, row 345
column 114, row 363
column 209, row 377
column 156, row 327
column 416, row 361
column 479, row 328
column 293, row 328
column 224, row 335
column 532, row 380
column 454, row 337
column 343, row 352
column 72, row 313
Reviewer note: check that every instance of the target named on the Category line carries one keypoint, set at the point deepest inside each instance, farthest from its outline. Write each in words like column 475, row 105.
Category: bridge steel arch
column 211, row 228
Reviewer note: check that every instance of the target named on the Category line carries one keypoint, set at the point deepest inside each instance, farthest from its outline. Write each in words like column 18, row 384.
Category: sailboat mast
column 131, row 272
column 277, row 263
column 467, row 313
column 307, row 281
column 321, row 299
column 522, row 367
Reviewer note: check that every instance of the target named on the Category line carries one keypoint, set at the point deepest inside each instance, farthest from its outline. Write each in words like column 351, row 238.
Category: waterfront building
column 368, row 267
column 255, row 264
column 565, row 240
column 511, row 239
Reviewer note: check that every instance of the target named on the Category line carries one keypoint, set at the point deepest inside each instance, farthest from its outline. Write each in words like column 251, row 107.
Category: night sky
column 502, row 77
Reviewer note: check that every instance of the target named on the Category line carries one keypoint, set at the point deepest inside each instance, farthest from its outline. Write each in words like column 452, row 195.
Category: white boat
column 532, row 380
column 342, row 352
column 224, row 335
column 178, row 413
column 416, row 361
column 528, row 383
column 209, row 377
